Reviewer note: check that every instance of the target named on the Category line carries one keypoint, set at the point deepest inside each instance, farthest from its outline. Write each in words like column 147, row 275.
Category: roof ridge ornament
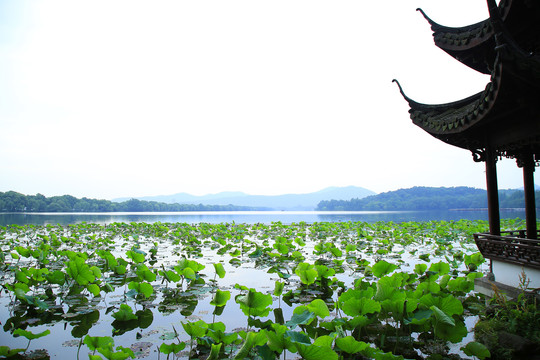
column 434, row 26
column 408, row 99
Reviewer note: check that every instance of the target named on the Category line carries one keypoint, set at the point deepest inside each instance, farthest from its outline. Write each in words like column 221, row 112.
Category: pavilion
column 503, row 120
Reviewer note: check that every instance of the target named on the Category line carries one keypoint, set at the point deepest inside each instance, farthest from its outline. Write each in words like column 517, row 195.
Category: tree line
column 428, row 198
column 12, row 201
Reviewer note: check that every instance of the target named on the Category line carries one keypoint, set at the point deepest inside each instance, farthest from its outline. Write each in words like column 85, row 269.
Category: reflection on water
column 248, row 217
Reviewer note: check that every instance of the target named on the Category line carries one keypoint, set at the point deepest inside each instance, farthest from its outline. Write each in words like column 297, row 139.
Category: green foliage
column 476, row 349
column 220, row 298
column 125, row 313
column 12, row 201
column 306, row 272
column 254, row 303
column 354, row 289
column 382, row 267
column 30, row 335
column 427, row 198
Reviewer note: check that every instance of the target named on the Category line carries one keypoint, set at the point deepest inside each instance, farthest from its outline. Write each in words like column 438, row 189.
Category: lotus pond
column 348, row 290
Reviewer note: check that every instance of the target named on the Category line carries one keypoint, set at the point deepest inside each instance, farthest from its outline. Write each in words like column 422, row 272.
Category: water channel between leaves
column 321, row 290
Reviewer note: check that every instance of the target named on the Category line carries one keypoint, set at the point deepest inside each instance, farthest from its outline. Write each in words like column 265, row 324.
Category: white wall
column 509, row 274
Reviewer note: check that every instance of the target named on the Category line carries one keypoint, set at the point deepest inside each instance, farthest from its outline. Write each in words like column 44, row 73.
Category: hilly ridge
column 308, row 201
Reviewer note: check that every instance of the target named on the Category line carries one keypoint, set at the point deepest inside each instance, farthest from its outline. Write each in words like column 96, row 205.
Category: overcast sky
column 106, row 99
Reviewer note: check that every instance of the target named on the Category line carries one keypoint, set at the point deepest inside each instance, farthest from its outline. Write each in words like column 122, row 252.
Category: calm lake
column 249, row 217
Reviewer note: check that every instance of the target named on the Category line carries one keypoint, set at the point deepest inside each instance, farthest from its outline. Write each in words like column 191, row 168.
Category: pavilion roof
column 506, row 114
column 474, row 45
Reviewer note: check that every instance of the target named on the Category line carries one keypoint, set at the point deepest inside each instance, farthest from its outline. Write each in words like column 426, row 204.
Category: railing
column 511, row 247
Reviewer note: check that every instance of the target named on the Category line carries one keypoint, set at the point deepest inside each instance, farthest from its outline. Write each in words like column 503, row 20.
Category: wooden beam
column 530, row 202
column 492, row 192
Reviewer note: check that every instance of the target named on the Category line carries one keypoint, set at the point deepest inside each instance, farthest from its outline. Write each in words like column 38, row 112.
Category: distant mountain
column 185, row 198
column 427, row 198
column 277, row 202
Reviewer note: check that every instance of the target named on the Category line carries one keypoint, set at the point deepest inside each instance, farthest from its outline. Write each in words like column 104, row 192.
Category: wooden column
column 492, row 192
column 530, row 202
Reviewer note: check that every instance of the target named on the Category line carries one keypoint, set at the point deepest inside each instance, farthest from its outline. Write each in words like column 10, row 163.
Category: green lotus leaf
column 110, row 354
column 252, row 339
column 94, row 289
column 440, row 268
column 254, row 303
column 420, row 268
column 276, row 338
column 125, row 313
column 278, row 289
column 214, row 352
column 56, row 277
column 30, row 335
column 95, row 342
column 144, row 273
column 8, row 352
column 451, row 333
column 382, row 267
column 314, row 352
column 169, row 275
column 476, row 349
column 220, row 270
column 324, row 271
column 306, row 272
column 171, row 348
column 350, row 345
column 319, row 307
column 80, row 271
column 220, row 298
column 303, row 318
column 195, row 329
column 441, row 316
column 142, row 288
column 360, row 306
column 136, row 255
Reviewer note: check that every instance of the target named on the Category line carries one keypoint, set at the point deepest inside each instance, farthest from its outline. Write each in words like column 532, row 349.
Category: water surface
column 249, row 217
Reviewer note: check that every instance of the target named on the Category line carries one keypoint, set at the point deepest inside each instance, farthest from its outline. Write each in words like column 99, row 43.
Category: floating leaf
column 125, row 313
column 476, row 349
column 30, row 335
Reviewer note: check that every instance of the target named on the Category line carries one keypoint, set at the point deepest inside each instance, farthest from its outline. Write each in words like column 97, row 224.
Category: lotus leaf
column 382, row 267
column 476, row 349
column 350, row 345
column 220, row 298
column 306, row 272
column 125, row 313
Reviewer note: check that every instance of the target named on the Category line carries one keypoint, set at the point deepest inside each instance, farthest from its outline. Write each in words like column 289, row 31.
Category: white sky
column 106, row 99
